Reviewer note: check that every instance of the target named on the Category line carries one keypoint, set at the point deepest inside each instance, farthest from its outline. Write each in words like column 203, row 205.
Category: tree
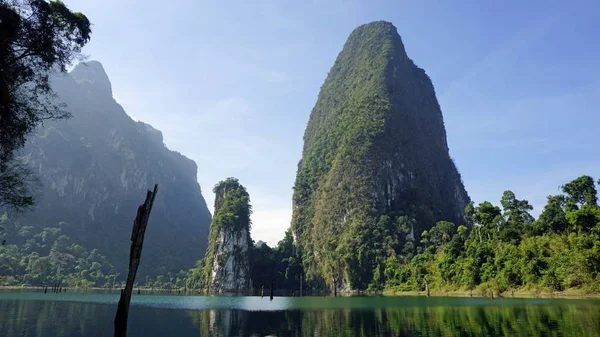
column 462, row 231
column 581, row 191
column 517, row 217
column 425, row 238
column 552, row 218
column 37, row 38
column 442, row 232
column 487, row 214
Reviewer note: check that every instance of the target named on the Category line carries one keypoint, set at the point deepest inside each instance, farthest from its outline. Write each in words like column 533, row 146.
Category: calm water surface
column 26, row 314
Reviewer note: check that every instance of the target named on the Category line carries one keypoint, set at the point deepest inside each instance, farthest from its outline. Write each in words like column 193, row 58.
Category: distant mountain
column 95, row 169
column 375, row 169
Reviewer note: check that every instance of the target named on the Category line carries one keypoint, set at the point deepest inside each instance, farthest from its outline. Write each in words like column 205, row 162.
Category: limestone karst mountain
column 375, row 169
column 95, row 169
column 227, row 258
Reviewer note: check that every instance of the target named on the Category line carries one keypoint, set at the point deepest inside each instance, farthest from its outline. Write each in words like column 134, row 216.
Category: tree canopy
column 507, row 249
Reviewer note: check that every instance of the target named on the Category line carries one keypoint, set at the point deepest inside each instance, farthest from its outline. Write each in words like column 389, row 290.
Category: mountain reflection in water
column 85, row 315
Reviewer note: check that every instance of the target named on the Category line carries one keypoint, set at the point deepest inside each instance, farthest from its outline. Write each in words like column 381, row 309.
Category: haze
column 231, row 85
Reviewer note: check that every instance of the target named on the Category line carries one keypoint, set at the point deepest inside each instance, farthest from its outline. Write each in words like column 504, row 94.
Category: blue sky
column 231, row 85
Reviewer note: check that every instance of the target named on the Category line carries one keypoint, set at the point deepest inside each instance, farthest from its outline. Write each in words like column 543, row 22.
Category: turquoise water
column 91, row 314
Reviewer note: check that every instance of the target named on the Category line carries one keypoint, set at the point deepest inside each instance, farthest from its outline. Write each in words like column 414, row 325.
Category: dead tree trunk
column 135, row 253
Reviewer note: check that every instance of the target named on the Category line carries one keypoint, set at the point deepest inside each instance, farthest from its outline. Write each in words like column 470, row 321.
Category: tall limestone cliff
column 227, row 261
column 95, row 169
column 375, row 169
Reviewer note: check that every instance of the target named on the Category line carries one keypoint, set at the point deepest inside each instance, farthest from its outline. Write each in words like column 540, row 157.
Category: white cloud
column 271, row 214
column 269, row 225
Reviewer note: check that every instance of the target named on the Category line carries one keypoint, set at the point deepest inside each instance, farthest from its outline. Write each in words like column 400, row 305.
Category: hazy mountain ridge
column 95, row 169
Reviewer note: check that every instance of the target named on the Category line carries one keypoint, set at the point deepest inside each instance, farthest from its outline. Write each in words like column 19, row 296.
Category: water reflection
column 533, row 320
column 28, row 318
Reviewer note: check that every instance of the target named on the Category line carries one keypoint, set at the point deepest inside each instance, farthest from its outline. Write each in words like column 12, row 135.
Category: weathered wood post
column 271, row 296
column 262, row 291
column 135, row 254
column 427, row 287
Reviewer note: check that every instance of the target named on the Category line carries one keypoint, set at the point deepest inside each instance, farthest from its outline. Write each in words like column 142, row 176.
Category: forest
column 505, row 248
column 499, row 248
column 47, row 257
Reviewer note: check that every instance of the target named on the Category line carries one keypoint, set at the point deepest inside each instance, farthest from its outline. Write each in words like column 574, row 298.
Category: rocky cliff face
column 375, row 169
column 95, row 169
column 227, row 263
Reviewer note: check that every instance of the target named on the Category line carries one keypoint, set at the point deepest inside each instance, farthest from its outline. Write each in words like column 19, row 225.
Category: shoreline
column 479, row 293
column 116, row 289
column 519, row 293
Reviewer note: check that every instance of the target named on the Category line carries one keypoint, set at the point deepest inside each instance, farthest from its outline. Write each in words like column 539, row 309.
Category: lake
column 26, row 314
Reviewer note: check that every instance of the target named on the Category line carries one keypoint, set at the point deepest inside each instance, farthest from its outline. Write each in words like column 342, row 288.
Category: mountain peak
column 382, row 35
column 92, row 74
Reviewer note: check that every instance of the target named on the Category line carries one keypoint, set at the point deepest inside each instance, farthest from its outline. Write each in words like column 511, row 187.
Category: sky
column 231, row 85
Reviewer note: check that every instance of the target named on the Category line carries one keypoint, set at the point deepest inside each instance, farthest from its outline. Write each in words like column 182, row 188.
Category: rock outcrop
column 375, row 169
column 95, row 169
column 227, row 261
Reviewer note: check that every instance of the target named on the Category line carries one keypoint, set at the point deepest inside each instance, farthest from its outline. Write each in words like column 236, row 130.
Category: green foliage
column 553, row 218
column 38, row 37
column 194, row 278
column 179, row 280
column 558, row 251
column 581, row 191
column 279, row 266
column 47, row 257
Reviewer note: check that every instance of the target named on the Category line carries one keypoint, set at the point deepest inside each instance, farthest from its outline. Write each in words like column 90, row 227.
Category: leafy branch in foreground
column 37, row 39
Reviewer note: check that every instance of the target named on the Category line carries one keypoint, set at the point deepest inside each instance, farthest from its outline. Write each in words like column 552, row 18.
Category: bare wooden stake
column 135, row 254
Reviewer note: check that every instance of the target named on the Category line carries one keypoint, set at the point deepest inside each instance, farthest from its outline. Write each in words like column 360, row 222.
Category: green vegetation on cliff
column 226, row 262
column 375, row 166
column 507, row 249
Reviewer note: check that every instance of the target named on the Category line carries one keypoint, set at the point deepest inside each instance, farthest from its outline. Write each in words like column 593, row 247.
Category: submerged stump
column 135, row 254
